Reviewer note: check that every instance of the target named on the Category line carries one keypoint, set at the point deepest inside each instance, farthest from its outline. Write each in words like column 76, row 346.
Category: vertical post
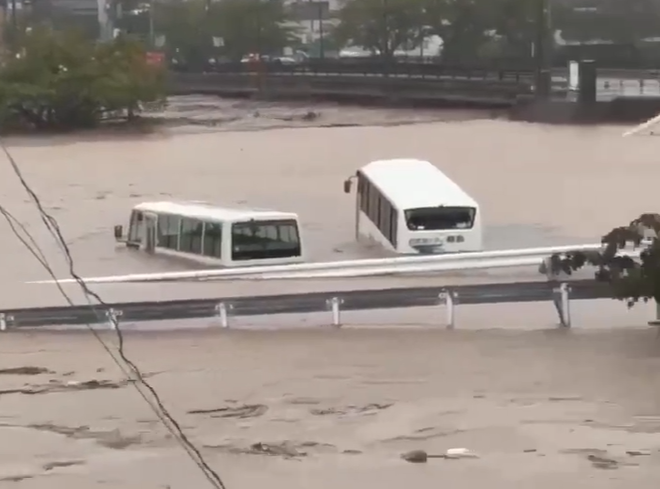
column 112, row 316
column 311, row 20
column 152, row 40
column 335, row 304
column 3, row 321
column 221, row 312
column 321, row 39
column 542, row 55
column 14, row 28
column 448, row 299
column 565, row 292
column 102, row 16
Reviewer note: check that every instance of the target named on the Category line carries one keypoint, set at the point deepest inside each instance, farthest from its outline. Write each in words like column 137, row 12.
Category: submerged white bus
column 214, row 235
column 409, row 206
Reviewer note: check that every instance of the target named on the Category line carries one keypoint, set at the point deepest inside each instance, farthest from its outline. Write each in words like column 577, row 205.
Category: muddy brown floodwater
column 307, row 407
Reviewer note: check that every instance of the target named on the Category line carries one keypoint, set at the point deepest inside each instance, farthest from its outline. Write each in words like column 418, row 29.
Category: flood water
column 540, row 406
column 537, row 185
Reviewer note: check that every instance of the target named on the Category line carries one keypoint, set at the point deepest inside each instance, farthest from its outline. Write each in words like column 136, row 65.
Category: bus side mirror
column 119, row 232
column 348, row 183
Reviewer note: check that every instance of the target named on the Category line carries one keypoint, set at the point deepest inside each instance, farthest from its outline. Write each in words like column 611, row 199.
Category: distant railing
column 348, row 67
column 414, row 68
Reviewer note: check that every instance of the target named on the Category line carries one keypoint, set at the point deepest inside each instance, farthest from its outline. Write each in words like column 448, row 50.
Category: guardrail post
column 3, row 321
column 222, row 312
column 334, row 305
column 448, row 299
column 562, row 301
column 112, row 316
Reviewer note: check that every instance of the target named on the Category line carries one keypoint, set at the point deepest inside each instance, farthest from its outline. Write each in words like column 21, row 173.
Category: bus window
column 393, row 226
column 212, row 239
column 257, row 240
column 363, row 189
column 439, row 218
column 135, row 227
column 384, row 224
column 168, row 231
column 191, row 236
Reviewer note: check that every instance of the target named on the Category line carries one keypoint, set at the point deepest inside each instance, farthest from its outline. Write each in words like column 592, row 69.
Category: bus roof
column 413, row 184
column 210, row 212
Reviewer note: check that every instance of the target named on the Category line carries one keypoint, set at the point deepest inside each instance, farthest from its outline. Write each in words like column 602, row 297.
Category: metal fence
column 366, row 67
column 334, row 303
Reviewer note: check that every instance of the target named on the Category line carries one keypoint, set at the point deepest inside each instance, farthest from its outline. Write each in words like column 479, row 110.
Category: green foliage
column 186, row 30
column 381, row 26
column 251, row 26
column 463, row 25
column 60, row 81
column 631, row 280
column 472, row 29
column 245, row 26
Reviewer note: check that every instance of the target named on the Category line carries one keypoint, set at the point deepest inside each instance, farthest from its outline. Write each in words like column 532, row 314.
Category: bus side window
column 375, row 211
column 168, row 231
column 191, row 236
column 364, row 195
column 212, row 240
column 384, row 218
column 135, row 228
column 393, row 225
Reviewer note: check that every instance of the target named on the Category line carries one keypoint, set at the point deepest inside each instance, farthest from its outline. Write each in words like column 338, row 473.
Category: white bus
column 409, row 206
column 214, row 235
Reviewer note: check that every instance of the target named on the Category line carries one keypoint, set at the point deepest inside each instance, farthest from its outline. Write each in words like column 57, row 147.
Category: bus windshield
column 438, row 218
column 256, row 240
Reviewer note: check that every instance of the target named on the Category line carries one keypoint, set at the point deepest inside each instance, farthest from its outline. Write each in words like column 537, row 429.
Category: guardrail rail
column 336, row 303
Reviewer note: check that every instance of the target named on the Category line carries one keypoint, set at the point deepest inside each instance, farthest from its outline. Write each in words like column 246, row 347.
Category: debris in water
column 460, row 453
column 603, row 462
column 638, row 453
column 421, row 456
column 25, row 371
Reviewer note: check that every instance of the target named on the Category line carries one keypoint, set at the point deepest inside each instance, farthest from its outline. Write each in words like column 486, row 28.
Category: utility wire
column 146, row 391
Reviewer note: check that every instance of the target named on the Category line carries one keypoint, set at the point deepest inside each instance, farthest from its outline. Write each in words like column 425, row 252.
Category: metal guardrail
column 474, row 260
column 339, row 67
column 335, row 302
column 408, row 69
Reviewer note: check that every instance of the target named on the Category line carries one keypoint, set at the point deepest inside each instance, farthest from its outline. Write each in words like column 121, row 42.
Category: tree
column 185, row 25
column 381, row 26
column 463, row 26
column 59, row 81
column 631, row 280
column 252, row 26
column 241, row 26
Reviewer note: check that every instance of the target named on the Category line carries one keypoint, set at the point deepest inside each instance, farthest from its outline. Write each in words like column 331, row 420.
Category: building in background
column 78, row 14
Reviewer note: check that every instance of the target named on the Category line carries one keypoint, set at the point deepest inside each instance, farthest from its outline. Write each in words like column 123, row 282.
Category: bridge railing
column 341, row 67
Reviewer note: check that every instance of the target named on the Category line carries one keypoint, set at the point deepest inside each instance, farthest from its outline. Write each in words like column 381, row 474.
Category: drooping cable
column 127, row 366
